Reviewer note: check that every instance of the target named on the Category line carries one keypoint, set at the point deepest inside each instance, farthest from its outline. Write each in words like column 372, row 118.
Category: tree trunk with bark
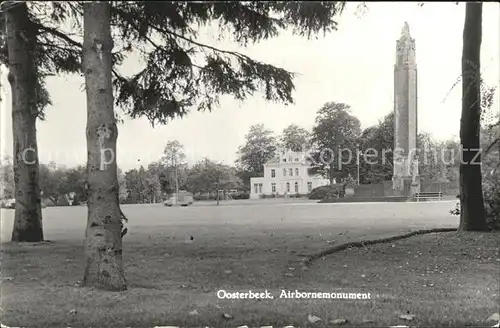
column 21, row 44
column 472, row 213
column 103, row 243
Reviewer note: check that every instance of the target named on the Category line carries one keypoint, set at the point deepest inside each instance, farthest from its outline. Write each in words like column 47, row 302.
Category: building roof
column 277, row 159
column 274, row 160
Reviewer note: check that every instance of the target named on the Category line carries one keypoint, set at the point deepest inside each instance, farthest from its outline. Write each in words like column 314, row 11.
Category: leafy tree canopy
column 259, row 147
column 295, row 138
column 335, row 129
column 207, row 175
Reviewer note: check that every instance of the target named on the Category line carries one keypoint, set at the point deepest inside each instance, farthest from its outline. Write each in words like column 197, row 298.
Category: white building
column 287, row 173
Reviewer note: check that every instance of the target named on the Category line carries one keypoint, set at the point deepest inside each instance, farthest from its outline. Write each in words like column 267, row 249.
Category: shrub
column 244, row 195
column 264, row 196
column 298, row 195
column 350, row 182
column 327, row 192
column 491, row 195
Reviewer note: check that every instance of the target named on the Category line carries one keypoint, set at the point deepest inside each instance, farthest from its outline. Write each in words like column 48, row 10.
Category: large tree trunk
column 103, row 244
column 472, row 214
column 21, row 44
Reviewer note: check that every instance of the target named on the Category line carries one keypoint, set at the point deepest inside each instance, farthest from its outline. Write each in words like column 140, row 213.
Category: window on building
column 284, row 159
column 256, row 188
column 273, row 173
column 296, row 159
column 309, row 186
column 284, row 172
column 296, row 187
column 288, row 186
column 290, row 172
column 260, row 188
column 273, row 187
column 297, row 172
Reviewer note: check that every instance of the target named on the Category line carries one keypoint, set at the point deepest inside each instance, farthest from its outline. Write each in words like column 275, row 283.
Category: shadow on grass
column 444, row 279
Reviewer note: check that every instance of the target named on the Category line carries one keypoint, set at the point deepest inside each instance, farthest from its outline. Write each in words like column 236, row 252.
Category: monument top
column 405, row 46
column 405, row 33
column 406, row 30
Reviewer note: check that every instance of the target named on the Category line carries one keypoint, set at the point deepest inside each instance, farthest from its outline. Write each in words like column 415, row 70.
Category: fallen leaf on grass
column 227, row 316
column 399, row 326
column 194, row 312
column 289, row 274
column 408, row 317
column 494, row 317
column 243, row 326
column 338, row 322
column 313, row 319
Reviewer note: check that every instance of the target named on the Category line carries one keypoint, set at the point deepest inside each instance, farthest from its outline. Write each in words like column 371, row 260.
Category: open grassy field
column 442, row 279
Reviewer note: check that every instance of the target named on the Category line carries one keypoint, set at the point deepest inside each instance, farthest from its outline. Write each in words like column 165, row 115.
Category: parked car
column 185, row 198
column 9, row 203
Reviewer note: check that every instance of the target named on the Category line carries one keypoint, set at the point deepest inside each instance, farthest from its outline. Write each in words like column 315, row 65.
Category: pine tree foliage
column 56, row 52
column 181, row 73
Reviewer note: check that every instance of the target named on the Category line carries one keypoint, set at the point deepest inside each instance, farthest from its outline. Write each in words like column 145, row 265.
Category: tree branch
column 51, row 45
column 488, row 149
column 234, row 53
column 59, row 34
column 166, row 31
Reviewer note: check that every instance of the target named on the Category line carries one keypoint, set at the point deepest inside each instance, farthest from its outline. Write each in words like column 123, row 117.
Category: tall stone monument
column 405, row 180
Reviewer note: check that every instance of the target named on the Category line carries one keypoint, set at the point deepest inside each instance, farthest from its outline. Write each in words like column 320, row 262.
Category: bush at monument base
column 326, row 192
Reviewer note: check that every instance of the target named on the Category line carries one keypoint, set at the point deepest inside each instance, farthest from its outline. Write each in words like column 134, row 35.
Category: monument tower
column 405, row 176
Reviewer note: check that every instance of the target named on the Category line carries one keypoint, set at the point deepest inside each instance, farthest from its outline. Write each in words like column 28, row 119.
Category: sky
column 353, row 65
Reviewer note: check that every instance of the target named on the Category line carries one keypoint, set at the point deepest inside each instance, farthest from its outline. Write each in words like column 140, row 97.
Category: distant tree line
column 151, row 184
column 336, row 128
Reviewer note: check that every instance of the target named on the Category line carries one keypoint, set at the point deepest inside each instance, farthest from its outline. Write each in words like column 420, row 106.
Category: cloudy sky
column 353, row 65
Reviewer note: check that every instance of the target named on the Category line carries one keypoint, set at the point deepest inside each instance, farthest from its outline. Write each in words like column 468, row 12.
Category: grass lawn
column 443, row 279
